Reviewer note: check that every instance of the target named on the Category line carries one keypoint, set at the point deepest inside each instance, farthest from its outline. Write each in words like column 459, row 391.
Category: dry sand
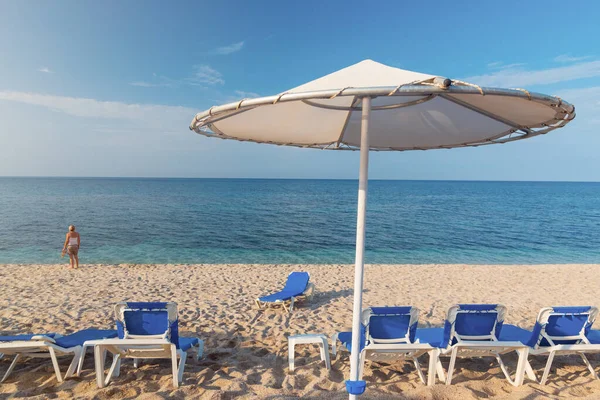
column 246, row 349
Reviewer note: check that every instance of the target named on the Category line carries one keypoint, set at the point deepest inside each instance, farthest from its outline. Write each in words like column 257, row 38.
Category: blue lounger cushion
column 152, row 318
column 431, row 336
column 346, row 339
column 78, row 338
column 512, row 333
column 25, row 337
column 593, row 336
column 186, row 343
column 296, row 285
column 474, row 320
column 531, row 337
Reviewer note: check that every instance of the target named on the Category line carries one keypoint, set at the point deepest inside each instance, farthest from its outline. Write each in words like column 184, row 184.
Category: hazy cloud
column 566, row 58
column 151, row 84
column 144, row 114
column 45, row 70
column 205, row 74
column 517, row 77
column 232, row 48
column 246, row 95
column 587, row 104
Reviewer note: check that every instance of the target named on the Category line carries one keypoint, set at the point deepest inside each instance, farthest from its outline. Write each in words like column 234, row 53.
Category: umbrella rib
column 337, row 143
column 486, row 113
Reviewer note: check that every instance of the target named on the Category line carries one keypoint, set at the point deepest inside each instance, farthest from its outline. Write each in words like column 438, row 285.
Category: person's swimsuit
column 73, row 247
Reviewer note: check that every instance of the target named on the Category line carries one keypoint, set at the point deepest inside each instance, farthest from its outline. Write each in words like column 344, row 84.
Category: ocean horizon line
column 286, row 179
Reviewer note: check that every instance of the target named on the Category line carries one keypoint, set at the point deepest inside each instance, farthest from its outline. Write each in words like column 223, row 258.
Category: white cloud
column 566, row 58
column 501, row 65
column 150, row 84
column 157, row 81
column 205, row 74
column 246, row 95
column 147, row 115
column 232, row 48
column 45, row 70
column 518, row 77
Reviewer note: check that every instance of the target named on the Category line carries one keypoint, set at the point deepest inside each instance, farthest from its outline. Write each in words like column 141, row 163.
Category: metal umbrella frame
column 429, row 89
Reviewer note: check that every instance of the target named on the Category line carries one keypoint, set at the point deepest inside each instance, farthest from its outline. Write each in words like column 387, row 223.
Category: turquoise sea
column 131, row 220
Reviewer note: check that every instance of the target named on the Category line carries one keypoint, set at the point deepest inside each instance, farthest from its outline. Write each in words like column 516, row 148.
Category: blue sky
column 109, row 88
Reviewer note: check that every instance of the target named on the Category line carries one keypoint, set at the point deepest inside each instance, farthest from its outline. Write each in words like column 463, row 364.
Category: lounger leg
column 200, row 349
column 136, row 362
column 81, row 358
column 291, row 304
column 547, row 369
column 117, row 370
column 504, row 371
column 73, row 366
column 334, row 338
column 174, row 366
column 99, row 364
column 11, row 367
column 116, row 364
column 433, row 360
column 55, row 364
column 529, row 371
column 182, row 358
column 418, row 367
column 520, row 374
column 361, row 364
column 440, row 369
column 451, row 366
column 589, row 365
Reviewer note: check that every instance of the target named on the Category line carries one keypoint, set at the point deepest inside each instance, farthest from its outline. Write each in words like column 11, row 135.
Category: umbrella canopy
column 410, row 111
column 371, row 106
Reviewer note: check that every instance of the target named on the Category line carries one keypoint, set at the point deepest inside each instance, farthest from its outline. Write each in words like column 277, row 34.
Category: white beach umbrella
column 371, row 106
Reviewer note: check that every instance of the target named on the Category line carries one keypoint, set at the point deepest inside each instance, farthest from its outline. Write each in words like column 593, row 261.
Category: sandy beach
column 246, row 349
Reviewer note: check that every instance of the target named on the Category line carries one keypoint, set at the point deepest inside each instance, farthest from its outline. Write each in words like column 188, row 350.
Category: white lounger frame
column 138, row 347
column 307, row 294
column 580, row 348
column 485, row 346
column 40, row 346
column 395, row 349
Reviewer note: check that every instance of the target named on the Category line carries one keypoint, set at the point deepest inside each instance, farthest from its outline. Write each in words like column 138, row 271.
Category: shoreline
column 246, row 349
column 260, row 265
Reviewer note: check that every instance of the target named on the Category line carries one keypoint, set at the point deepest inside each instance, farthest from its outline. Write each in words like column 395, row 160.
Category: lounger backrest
column 480, row 322
column 148, row 320
column 562, row 325
column 296, row 283
column 392, row 324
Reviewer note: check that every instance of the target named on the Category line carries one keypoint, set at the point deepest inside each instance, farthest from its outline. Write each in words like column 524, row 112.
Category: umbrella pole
column 360, row 242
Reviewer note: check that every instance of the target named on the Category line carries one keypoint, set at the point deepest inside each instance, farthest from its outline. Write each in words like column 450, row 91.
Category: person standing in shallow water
column 71, row 246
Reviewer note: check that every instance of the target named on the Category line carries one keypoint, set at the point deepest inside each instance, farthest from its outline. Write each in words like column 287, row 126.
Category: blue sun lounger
column 297, row 285
column 388, row 334
column 559, row 331
column 50, row 346
column 146, row 330
column 472, row 330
